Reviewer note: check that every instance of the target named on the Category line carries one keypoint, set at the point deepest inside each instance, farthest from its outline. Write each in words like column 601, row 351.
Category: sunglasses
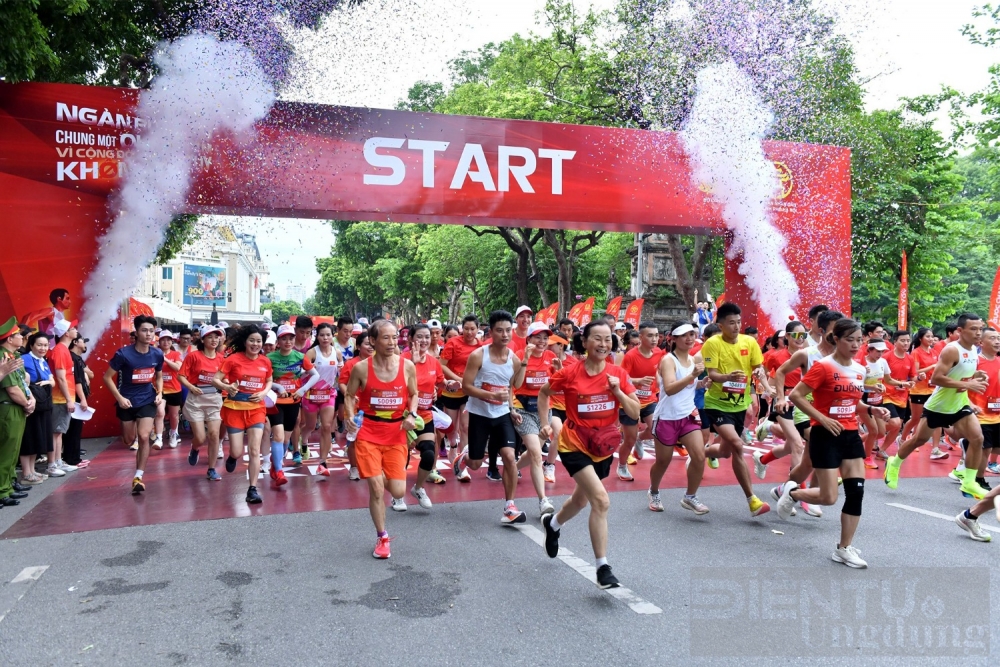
column 798, row 335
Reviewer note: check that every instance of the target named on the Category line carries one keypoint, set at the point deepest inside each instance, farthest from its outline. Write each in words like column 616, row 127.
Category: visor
column 682, row 329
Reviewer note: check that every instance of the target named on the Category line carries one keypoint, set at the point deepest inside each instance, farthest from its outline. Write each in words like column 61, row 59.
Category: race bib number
column 167, row 376
column 425, row 401
column 644, row 393
column 993, row 404
column 143, row 375
column 320, row 395
column 734, row 387
column 206, row 378
column 593, row 405
column 843, row 410
column 491, row 388
column 250, row 385
column 874, row 399
column 386, row 399
column 287, row 384
column 536, row 378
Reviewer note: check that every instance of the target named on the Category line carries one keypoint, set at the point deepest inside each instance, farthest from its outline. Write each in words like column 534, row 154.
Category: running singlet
column 743, row 355
column 874, row 372
column 251, row 376
column 346, row 351
column 836, row 390
column 638, row 366
column 813, row 355
column 429, row 378
column 589, row 401
column 681, row 404
column 171, row 385
column 557, row 399
column 326, row 389
column 537, row 374
column 924, row 359
column 136, row 373
column 455, row 356
column 304, row 347
column 288, row 372
column 946, row 400
column 900, row 370
column 988, row 402
column 199, row 370
column 383, row 404
column 492, row 377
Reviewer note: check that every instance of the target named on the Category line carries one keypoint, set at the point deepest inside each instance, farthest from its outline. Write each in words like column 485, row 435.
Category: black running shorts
column 489, row 433
column 944, row 419
column 828, row 451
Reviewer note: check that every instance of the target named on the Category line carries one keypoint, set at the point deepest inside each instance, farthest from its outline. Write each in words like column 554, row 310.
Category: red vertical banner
column 587, row 312
column 551, row 314
column 540, row 315
column 634, row 312
column 575, row 313
column 902, row 318
column 993, row 318
column 614, row 307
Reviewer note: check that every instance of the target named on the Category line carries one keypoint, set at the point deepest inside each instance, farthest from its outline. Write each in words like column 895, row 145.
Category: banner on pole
column 634, row 312
column 904, row 298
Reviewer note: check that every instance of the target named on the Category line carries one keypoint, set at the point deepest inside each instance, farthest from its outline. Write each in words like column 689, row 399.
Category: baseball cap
column 538, row 327
column 166, row 333
column 224, row 325
column 207, row 329
column 877, row 344
column 286, row 330
column 362, row 320
column 523, row 309
column 434, row 324
column 620, row 326
column 62, row 326
column 356, row 329
column 271, row 339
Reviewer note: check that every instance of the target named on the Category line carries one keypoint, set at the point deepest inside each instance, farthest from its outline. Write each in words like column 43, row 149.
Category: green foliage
column 182, row 230
column 282, row 311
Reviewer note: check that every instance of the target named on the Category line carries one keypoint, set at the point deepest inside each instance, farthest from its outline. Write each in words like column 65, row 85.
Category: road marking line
column 29, row 574
column 936, row 515
column 589, row 572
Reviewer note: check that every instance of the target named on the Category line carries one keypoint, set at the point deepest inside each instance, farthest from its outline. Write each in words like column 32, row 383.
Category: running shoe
column 443, row 452
column 545, row 506
column 434, row 477
column 398, row 505
column 54, row 471
column 134, row 446
column 811, row 510
column 880, row 454
column 972, row 527
column 304, row 449
column 759, row 467
column 623, row 473
column 763, row 430
column 155, row 442
column 253, row 497
column 230, row 464
column 891, row 475
column 955, row 475
column 849, row 556
column 986, row 485
column 193, row 457
column 993, row 468
column 512, row 515
column 65, row 467
column 323, row 470
column 464, row 476
column 545, row 446
column 631, row 459
column 494, row 475
column 972, row 487
column 694, row 505
column 382, row 547
column 655, row 504
column 137, row 486
column 870, row 463
column 638, row 451
column 552, row 536
column 214, row 476
column 681, row 450
column 549, row 472
column 278, row 476
column 785, row 503
column 353, row 474
column 938, row 455
column 758, row 506
column 713, row 463
column 605, row 579
column 458, row 464
column 174, row 440
column 297, row 458
column 421, row 497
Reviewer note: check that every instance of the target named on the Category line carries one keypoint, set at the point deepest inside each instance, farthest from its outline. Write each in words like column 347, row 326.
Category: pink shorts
column 312, row 407
column 670, row 431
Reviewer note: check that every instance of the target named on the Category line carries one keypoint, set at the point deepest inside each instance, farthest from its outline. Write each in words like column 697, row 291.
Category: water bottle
column 359, row 419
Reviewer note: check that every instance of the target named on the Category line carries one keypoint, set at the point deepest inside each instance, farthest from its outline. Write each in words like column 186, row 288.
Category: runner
column 204, row 404
column 437, row 338
column 816, row 332
column 383, row 391
column 270, row 342
column 641, row 363
column 987, row 404
column 595, row 390
column 732, row 360
column 63, row 394
column 558, row 345
column 539, row 363
column 954, row 376
column 320, row 401
column 295, row 375
column 950, row 336
column 567, row 329
column 519, row 337
column 675, row 421
column 878, row 378
column 836, row 386
column 245, row 377
column 902, row 369
column 490, row 372
column 454, row 357
column 169, row 409
column 926, row 359
column 430, row 377
column 138, row 391
column 364, row 350
column 782, row 412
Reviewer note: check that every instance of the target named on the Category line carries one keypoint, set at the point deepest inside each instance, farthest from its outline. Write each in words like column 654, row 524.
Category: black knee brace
column 427, row 459
column 854, row 493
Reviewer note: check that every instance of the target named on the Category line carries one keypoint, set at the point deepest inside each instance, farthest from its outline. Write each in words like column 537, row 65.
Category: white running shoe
column 638, row 450
column 624, row 474
column 763, row 429
column 421, row 497
column 694, row 505
column 134, row 446
column 747, row 437
column 54, row 471
column 398, row 505
column 156, row 442
column 549, row 472
column 938, row 455
column 786, row 503
column 849, row 556
column 811, row 510
column 759, row 467
column 65, row 467
column 353, row 474
column 655, row 504
column 545, row 506
column 972, row 527
column 175, row 438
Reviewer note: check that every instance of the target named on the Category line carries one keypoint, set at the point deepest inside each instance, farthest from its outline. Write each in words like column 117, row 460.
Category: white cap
column 620, row 326
column 523, row 309
column 207, row 329
column 362, row 320
column 356, row 329
column 682, row 329
column 285, row 330
column 781, row 333
column 271, row 339
column 61, row 327
column 223, row 325
column 877, row 344
column 434, row 324
column 537, row 327
column 166, row 333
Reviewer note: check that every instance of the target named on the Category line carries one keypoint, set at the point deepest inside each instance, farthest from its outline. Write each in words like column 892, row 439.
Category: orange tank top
column 383, row 404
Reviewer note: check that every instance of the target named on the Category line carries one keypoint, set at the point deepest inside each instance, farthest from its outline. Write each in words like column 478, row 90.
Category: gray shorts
column 60, row 418
column 530, row 425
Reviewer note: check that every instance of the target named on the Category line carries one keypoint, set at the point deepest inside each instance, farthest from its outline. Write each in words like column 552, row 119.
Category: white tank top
column 327, row 368
column 492, row 377
column 681, row 404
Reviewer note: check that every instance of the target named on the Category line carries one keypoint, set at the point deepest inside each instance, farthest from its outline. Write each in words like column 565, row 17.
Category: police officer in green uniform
column 16, row 403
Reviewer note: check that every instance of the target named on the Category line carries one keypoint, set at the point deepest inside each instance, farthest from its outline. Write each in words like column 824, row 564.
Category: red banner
column 614, row 307
column 633, row 314
column 575, row 313
column 552, row 314
column 587, row 313
column 994, row 315
column 902, row 315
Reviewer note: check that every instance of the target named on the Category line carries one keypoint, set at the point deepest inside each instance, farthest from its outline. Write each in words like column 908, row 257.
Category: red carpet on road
column 98, row 497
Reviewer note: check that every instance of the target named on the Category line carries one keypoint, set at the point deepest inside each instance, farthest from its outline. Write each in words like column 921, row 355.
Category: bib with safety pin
column 993, row 404
column 493, row 388
column 590, row 406
column 843, row 410
column 733, row 387
column 143, row 375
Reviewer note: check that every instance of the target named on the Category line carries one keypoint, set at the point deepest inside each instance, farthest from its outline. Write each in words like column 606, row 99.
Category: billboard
column 204, row 285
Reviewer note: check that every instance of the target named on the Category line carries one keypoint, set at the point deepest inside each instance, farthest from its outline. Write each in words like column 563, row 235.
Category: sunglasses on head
column 798, row 335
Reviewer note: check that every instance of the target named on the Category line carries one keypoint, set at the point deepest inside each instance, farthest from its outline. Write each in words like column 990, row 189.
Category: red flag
column 720, row 300
column 551, row 314
column 540, row 315
column 575, row 312
column 634, row 312
column 994, row 314
column 588, row 311
column 904, row 298
column 614, row 307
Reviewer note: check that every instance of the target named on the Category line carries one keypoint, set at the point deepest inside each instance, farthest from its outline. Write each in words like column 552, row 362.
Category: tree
column 183, row 229
column 282, row 311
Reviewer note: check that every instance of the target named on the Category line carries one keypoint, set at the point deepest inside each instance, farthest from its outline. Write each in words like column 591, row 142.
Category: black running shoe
column 493, row 474
column 231, row 464
column 551, row 537
column 253, row 497
column 193, row 457
column 605, row 579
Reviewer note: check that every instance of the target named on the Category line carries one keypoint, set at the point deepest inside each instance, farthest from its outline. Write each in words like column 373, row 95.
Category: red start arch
column 61, row 149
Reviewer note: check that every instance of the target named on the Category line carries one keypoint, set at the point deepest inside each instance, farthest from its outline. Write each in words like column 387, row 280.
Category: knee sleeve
column 427, row 459
column 854, row 494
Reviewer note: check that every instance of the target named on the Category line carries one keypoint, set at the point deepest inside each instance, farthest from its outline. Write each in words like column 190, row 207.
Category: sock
column 968, row 476
column 970, row 515
column 323, row 463
column 138, row 473
column 895, row 461
column 689, row 496
column 601, row 561
column 768, row 457
column 508, row 504
column 750, row 497
column 381, row 533
column 277, row 455
column 554, row 523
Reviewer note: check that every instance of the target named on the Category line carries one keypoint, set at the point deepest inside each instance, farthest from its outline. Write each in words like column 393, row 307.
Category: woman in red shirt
column 537, row 361
column 837, row 385
column 925, row 358
column 170, row 407
column 594, row 391
column 204, row 403
column 454, row 358
column 557, row 404
column 429, row 379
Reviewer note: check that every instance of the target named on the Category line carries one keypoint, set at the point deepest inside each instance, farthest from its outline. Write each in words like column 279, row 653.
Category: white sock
column 138, row 473
column 508, row 503
column 554, row 523
column 601, row 561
